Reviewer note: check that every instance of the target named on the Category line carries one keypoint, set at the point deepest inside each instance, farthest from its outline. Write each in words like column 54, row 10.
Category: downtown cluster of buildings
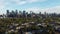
column 24, row 14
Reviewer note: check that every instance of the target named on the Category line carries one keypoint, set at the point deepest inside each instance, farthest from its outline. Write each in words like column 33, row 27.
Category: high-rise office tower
column 16, row 13
column 24, row 13
column 7, row 13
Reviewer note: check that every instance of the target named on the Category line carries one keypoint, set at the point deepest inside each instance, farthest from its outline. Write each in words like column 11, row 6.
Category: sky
column 49, row 6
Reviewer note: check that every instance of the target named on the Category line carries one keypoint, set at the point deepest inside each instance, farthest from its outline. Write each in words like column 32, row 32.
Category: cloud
column 31, row 1
column 2, row 6
column 34, row 9
column 21, row 2
column 55, row 9
column 4, row 3
column 1, row 3
column 9, row 3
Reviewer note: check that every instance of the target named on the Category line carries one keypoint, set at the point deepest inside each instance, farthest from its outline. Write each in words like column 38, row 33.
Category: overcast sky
column 48, row 6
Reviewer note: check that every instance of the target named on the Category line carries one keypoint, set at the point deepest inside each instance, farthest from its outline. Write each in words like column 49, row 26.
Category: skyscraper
column 16, row 13
column 24, row 13
column 7, row 13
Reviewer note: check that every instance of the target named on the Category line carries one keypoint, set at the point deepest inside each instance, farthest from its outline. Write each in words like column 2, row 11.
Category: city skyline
column 48, row 6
